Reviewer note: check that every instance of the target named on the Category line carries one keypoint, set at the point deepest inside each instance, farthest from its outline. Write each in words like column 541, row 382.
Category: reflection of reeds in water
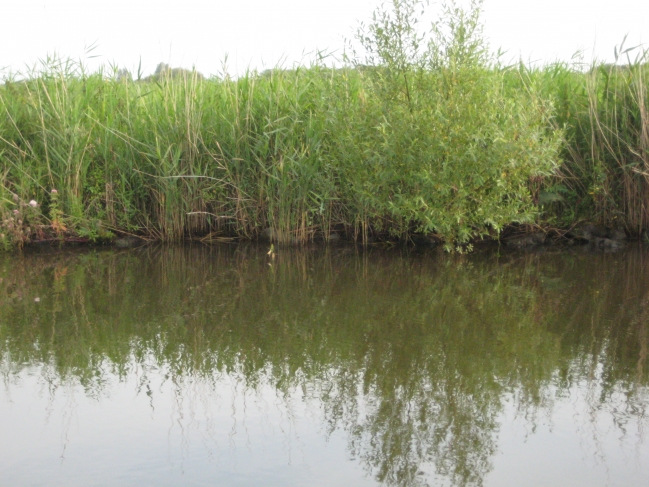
column 385, row 341
column 183, row 290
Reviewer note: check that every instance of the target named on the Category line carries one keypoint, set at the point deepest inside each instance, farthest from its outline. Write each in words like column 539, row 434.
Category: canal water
column 227, row 365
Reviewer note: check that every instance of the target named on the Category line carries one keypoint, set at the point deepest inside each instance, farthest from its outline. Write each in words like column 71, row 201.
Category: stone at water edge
column 128, row 242
column 617, row 234
column 594, row 233
column 588, row 232
column 527, row 240
column 605, row 244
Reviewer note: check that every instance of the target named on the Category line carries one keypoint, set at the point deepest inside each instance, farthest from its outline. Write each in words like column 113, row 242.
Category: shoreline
column 585, row 234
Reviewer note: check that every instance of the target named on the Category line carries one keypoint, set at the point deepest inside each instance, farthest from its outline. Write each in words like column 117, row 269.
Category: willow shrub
column 433, row 142
column 416, row 136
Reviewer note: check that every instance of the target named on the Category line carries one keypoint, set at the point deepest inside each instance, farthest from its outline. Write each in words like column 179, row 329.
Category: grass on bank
column 604, row 110
column 422, row 135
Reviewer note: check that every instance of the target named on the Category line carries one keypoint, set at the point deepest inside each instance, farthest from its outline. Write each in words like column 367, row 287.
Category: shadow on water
column 412, row 355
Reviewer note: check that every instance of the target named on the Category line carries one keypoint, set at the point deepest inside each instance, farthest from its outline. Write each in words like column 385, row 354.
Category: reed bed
column 604, row 110
column 417, row 136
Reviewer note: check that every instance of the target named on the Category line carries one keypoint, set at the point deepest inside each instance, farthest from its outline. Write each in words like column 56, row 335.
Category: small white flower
column 37, row 300
column 33, row 204
column 54, row 191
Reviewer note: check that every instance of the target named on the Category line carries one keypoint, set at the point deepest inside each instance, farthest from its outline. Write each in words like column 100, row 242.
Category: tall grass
column 171, row 158
column 421, row 133
column 605, row 113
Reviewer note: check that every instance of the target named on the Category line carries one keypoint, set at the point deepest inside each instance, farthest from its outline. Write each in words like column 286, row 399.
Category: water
column 323, row 367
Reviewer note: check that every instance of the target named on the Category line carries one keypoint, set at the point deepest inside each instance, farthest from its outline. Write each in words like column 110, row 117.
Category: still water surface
column 325, row 367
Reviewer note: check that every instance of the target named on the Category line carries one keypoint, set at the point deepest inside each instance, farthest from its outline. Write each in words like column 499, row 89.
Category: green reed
column 420, row 133
column 604, row 111
column 410, row 137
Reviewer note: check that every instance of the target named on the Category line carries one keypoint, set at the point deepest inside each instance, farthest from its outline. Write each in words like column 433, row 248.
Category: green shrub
column 433, row 142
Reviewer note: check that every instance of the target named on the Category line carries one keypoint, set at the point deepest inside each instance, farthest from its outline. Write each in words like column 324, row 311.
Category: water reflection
column 415, row 358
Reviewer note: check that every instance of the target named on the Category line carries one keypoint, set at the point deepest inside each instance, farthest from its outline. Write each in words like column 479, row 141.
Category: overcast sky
column 261, row 33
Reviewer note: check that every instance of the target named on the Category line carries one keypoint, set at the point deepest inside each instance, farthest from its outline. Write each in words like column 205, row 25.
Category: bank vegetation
column 421, row 135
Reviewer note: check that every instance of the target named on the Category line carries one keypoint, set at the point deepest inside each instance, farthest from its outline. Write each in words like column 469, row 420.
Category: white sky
column 261, row 33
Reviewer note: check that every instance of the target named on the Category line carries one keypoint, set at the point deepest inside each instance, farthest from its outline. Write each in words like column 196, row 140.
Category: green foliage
column 603, row 111
column 434, row 143
column 419, row 135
